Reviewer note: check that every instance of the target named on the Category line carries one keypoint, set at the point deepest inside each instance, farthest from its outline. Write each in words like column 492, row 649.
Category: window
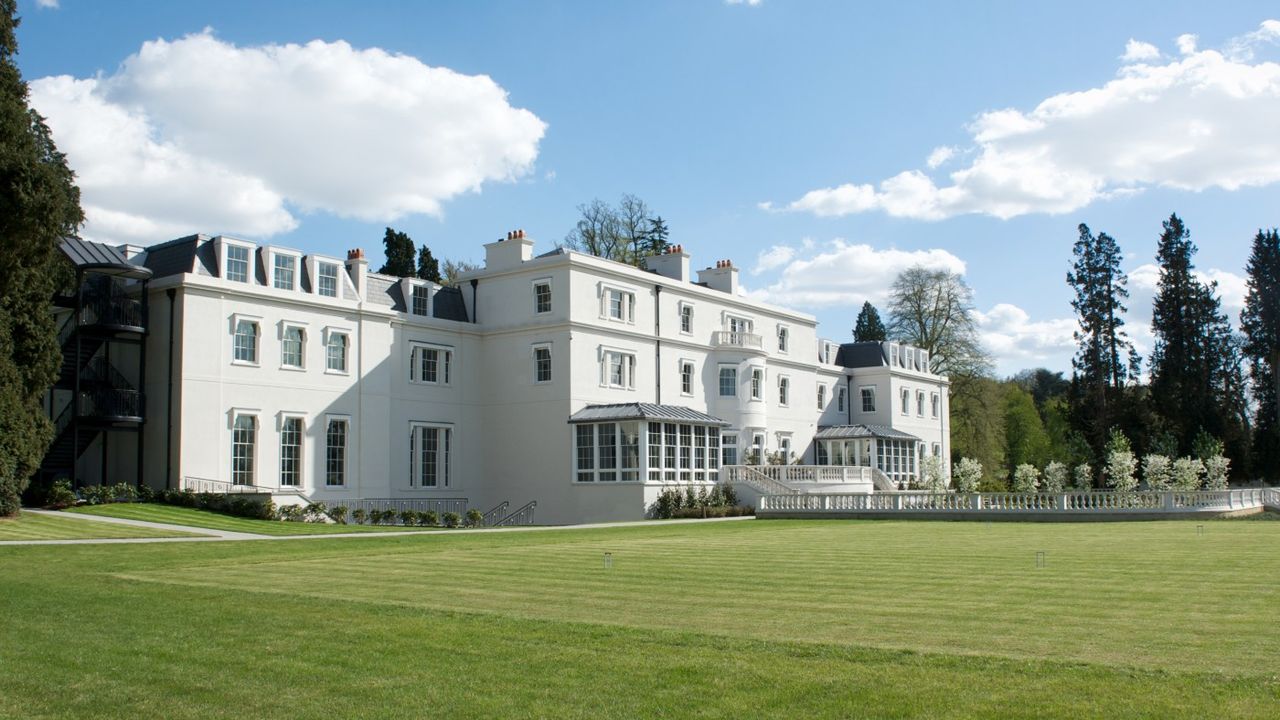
column 686, row 377
column 283, row 271
column 586, row 453
column 608, row 452
column 617, row 369
column 729, row 449
column 935, row 401
column 840, row 399
column 421, row 300
column 937, row 450
column 335, row 352
column 238, row 263
column 291, row 452
column 245, row 343
column 757, row 448
column 542, row 363
column 335, row 453
column 906, row 401
column 542, row 297
column 430, row 449
column 757, row 384
column 784, row 391
column 920, row 403
column 783, row 338
column 822, row 397
column 686, row 318
column 619, row 305
column 728, row 381
column 431, row 364
column 686, row 452
column 244, row 437
column 784, row 448
column 738, row 325
column 868, row 399
column 292, row 340
column 328, row 285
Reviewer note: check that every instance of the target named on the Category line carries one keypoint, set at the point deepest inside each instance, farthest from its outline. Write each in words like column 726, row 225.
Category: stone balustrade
column 1063, row 503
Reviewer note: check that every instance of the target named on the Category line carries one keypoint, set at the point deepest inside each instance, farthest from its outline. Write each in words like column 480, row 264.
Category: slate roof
column 184, row 255
column 101, row 259
column 850, row 432
column 861, row 354
column 643, row 411
column 448, row 305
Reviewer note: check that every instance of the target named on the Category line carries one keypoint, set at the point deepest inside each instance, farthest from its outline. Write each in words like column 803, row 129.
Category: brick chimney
column 358, row 269
column 508, row 253
column 722, row 277
column 674, row 263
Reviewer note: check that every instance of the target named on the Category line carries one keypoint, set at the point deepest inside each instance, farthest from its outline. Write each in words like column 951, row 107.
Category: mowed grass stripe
column 30, row 526
column 1109, row 608
column 194, row 517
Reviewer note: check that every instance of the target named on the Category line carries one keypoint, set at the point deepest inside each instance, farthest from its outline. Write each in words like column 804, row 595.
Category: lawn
column 29, row 526
column 747, row 619
column 193, row 517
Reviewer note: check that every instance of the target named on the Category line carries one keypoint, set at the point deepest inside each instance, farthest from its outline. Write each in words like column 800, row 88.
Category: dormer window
column 421, row 295
column 327, row 274
column 284, row 272
column 238, row 263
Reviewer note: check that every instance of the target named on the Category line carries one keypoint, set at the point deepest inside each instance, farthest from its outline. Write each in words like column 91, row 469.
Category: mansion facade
column 583, row 384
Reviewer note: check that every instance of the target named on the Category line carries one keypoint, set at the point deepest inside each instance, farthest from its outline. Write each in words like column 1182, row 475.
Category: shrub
column 359, row 515
column 932, row 477
column 1082, row 477
column 1157, row 471
column 1205, row 446
column 1055, row 477
column 1215, row 472
column 316, row 512
column 408, row 517
column 339, row 514
column 452, row 519
column 429, row 518
column 730, row 495
column 60, row 495
column 290, row 513
column 967, row 475
column 715, row 498
column 474, row 518
column 690, row 498
column 1025, row 478
column 1187, row 473
column 702, row 497
column 664, row 505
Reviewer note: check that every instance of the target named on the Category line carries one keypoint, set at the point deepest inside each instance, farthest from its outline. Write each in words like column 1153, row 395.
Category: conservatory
column 630, row 442
column 895, row 453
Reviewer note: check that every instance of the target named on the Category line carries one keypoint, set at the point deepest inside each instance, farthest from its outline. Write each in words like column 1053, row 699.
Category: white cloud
column 752, row 3
column 842, row 273
column 1187, row 43
column 1200, row 121
column 939, row 156
column 1144, row 281
column 1242, row 48
column 1138, row 51
column 773, row 258
column 165, row 146
column 1017, row 341
column 50, row 4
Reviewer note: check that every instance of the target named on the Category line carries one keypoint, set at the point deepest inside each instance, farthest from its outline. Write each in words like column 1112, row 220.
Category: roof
column 448, row 304
column 643, row 411
column 861, row 354
column 849, row 432
column 101, row 259
column 184, row 255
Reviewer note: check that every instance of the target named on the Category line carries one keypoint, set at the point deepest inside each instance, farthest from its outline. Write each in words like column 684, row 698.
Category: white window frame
column 618, row 472
column 919, row 403
column 543, row 282
column 444, row 367
column 233, row 416
column 842, row 399
column 738, row 324
column 683, row 365
column 284, row 327
column 935, row 402
column 446, row 440
column 757, row 380
column 626, row 306
column 329, row 333
column 256, row 321
column 861, row 402
column 285, row 417
column 346, row 450
column 720, row 380
column 248, row 248
column 295, row 258
column 533, row 351
column 784, row 339
column 685, row 315
column 784, row 391
column 726, row 443
column 627, row 361
column 314, row 268
column 414, row 289
column 904, row 401
column 822, row 397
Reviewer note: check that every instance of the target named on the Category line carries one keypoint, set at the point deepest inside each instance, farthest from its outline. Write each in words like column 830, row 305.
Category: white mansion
column 583, row 384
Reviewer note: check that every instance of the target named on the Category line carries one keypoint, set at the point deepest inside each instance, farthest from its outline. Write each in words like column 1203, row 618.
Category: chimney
column 674, row 263
column 722, row 277
column 508, row 253
column 358, row 269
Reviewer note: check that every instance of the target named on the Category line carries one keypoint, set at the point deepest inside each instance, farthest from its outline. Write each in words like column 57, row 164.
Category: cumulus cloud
column 1144, row 280
column 1017, row 341
column 1187, row 43
column 1138, row 51
column 1202, row 120
column 842, row 273
column 50, row 4
column 939, row 156
column 774, row 257
column 166, row 145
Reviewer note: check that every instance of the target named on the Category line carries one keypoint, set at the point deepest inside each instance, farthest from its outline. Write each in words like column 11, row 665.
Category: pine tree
column 1104, row 358
column 1260, row 321
column 428, row 266
column 656, row 237
column 39, row 205
column 868, row 328
column 398, row 248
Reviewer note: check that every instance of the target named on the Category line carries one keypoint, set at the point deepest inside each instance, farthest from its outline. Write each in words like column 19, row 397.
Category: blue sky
column 794, row 137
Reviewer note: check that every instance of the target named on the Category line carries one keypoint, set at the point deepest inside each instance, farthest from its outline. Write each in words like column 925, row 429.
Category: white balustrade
column 726, row 338
column 1099, row 502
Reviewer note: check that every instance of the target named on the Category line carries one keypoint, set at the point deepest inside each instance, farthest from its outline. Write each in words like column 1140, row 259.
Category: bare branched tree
column 451, row 269
column 621, row 234
column 933, row 310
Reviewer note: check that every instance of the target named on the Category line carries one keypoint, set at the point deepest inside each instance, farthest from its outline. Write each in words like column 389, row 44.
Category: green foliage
column 359, row 515
column 452, row 519
column 408, row 517
column 1157, row 471
column 690, row 497
column 339, row 514
column 1026, row 441
column 729, row 494
column 1082, row 477
column 428, row 266
column 1215, row 472
column 716, row 502
column 1260, row 322
column 869, row 327
column 291, row 513
column 1205, row 446
column 626, row 233
column 398, row 249
column 1188, row 473
column 39, row 205
column 60, row 495
column 967, row 474
column 1026, row 478
column 316, row 512
column 475, row 518
column 1055, row 477
column 429, row 518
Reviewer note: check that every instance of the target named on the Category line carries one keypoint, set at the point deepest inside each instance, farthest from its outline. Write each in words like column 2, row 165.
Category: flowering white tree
column 1055, row 477
column 1215, row 472
column 1025, row 478
column 967, row 474
column 935, row 480
column 1121, row 465
column 1083, row 477
column 1188, row 473
column 1158, row 472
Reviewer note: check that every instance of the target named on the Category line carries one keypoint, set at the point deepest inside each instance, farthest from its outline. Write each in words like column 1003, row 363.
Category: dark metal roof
column 448, row 305
column 175, row 257
column 643, row 411
column 861, row 354
column 101, row 259
column 850, row 432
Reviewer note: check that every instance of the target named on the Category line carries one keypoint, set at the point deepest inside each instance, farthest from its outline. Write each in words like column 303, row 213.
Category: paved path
column 210, row 535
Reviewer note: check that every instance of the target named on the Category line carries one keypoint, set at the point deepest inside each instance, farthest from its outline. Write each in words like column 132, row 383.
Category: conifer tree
column 399, row 251
column 39, row 205
column 428, row 266
column 1260, row 321
column 868, row 327
column 657, row 236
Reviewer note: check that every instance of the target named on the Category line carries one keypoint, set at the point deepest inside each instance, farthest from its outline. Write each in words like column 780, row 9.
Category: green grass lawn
column 749, row 619
column 218, row 521
column 28, row 526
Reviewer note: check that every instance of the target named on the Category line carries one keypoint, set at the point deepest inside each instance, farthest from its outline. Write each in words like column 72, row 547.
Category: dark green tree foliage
column 39, row 205
column 428, row 266
column 1196, row 376
column 1104, row 358
column 1025, row 437
column 657, row 236
column 869, row 328
column 1260, row 321
column 399, row 250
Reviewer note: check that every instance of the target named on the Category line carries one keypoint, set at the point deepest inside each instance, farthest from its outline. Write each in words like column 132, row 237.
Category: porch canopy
column 892, row 451
column 630, row 442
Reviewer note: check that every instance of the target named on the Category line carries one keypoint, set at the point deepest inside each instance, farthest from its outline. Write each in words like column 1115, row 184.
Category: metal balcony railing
column 112, row 404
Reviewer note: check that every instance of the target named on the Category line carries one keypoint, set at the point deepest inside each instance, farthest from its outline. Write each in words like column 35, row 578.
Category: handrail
column 495, row 514
column 523, row 516
column 220, row 487
column 111, row 402
column 751, row 476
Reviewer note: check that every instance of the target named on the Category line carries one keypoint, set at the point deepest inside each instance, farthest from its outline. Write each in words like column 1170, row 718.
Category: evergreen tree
column 1260, row 321
column 428, row 266
column 657, row 236
column 1104, row 358
column 1196, row 378
column 39, row 205
column 868, row 328
column 398, row 248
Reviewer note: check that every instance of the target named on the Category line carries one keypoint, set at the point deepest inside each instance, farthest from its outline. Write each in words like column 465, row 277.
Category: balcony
column 743, row 340
column 112, row 405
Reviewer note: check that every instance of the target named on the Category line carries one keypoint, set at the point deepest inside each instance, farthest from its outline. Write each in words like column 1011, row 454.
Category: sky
column 823, row 147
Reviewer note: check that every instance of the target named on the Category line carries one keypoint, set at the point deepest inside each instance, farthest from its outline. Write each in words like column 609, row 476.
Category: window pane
column 291, row 347
column 335, row 453
column 237, row 263
column 421, row 295
column 246, row 341
column 283, row 272
column 728, row 382
column 291, row 452
column 243, row 439
column 542, row 364
column 336, row 352
column 542, row 298
column 328, row 280
column 586, row 453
